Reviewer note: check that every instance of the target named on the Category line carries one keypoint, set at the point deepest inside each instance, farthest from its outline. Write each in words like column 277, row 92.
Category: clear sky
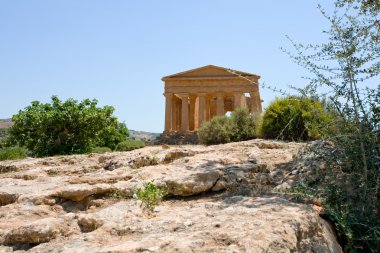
column 117, row 51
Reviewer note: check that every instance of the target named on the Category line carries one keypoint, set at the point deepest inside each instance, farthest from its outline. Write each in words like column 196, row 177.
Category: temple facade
column 195, row 96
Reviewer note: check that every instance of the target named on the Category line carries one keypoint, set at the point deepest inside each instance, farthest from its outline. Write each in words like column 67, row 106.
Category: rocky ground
column 221, row 199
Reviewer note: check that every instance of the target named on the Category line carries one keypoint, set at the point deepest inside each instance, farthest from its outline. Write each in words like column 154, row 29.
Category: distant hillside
column 5, row 123
column 141, row 135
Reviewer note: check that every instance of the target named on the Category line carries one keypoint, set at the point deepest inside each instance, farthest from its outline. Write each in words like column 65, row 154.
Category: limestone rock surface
column 222, row 198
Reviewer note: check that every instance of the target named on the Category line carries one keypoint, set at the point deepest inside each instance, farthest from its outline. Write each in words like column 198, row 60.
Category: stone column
column 207, row 109
column 238, row 100
column 192, row 113
column 202, row 109
column 175, row 114
column 219, row 104
column 212, row 108
column 259, row 103
column 243, row 101
column 254, row 102
column 168, row 111
column 185, row 113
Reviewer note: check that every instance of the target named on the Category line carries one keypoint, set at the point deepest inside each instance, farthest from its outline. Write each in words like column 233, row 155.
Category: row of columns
column 196, row 104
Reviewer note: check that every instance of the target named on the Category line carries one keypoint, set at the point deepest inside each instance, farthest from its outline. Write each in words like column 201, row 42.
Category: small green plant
column 12, row 153
column 129, row 145
column 100, row 150
column 150, row 195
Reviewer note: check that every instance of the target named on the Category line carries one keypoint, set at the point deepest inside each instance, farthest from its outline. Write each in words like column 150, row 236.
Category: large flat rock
column 222, row 200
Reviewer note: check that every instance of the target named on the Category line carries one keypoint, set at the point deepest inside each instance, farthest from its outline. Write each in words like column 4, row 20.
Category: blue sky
column 117, row 51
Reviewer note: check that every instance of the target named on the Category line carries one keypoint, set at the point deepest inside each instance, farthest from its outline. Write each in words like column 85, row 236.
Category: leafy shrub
column 112, row 135
column 66, row 127
column 244, row 125
column 129, row 145
column 217, row 130
column 100, row 150
column 150, row 195
column 12, row 153
column 295, row 119
column 222, row 129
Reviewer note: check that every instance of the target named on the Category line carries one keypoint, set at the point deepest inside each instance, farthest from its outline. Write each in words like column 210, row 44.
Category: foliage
column 222, row 129
column 100, row 150
column 113, row 135
column 244, row 125
column 295, row 119
column 344, row 66
column 66, row 127
column 150, row 195
column 12, row 153
column 217, row 130
column 4, row 135
column 365, row 6
column 129, row 145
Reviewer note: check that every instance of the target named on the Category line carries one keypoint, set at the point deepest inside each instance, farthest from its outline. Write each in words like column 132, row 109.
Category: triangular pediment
column 208, row 71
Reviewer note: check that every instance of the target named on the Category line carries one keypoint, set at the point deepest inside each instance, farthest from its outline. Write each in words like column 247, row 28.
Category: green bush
column 12, row 153
column 222, row 129
column 217, row 130
column 150, row 195
column 129, row 145
column 244, row 125
column 294, row 119
column 66, row 127
column 100, row 150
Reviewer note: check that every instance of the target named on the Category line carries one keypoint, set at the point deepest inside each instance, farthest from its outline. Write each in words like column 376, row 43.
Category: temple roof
column 209, row 71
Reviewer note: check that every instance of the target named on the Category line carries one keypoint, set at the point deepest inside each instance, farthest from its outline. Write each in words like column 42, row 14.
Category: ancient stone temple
column 197, row 95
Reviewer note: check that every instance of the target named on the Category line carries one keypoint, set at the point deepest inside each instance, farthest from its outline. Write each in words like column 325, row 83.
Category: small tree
column 345, row 66
column 66, row 127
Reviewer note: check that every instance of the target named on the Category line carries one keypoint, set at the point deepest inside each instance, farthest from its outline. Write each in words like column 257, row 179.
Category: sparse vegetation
column 222, row 129
column 295, row 119
column 100, row 150
column 150, row 196
column 345, row 66
column 12, row 153
column 129, row 145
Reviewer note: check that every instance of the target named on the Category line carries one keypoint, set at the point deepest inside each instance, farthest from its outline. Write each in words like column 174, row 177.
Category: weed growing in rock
column 150, row 196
